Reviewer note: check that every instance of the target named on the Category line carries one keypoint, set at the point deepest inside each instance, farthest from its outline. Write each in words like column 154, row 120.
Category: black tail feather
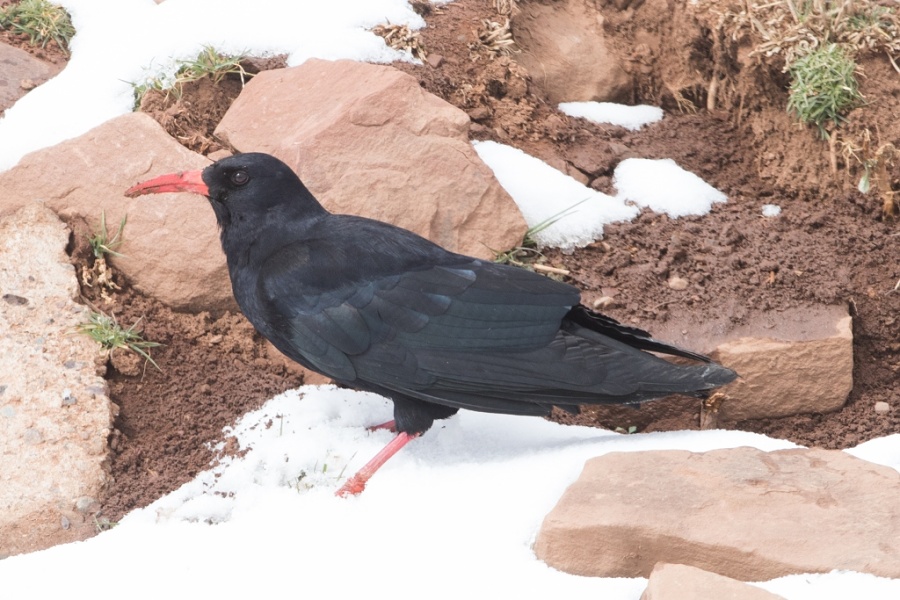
column 633, row 336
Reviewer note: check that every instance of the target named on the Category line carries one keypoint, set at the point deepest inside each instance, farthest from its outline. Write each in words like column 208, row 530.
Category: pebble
column 771, row 210
column 678, row 283
column 32, row 437
column 85, row 504
column 15, row 300
column 604, row 302
column 68, row 398
column 882, row 408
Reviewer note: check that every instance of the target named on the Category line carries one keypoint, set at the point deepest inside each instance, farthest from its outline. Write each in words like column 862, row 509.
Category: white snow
column 663, row 186
column 629, row 117
column 771, row 210
column 456, row 511
column 543, row 193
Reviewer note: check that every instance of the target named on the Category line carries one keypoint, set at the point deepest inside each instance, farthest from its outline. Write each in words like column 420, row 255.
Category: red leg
column 357, row 483
column 389, row 425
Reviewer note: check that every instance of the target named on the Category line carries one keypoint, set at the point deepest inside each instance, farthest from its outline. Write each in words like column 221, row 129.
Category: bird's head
column 241, row 188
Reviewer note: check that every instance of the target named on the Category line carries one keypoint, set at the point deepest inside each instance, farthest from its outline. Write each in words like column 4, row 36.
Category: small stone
column 85, row 504
column 678, row 283
column 216, row 339
column 435, row 60
column 64, row 522
column 479, row 113
column 882, row 408
column 27, row 84
column 32, row 437
column 771, row 210
column 15, row 300
column 604, row 302
column 96, row 390
column 68, row 399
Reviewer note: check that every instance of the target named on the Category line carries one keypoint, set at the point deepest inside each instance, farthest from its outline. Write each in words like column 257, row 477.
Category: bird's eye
column 239, row 177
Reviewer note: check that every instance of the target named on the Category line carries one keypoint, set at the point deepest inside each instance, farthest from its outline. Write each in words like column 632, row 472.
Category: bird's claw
column 389, row 425
column 352, row 487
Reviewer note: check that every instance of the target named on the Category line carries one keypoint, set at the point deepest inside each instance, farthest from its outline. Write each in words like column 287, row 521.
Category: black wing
column 398, row 313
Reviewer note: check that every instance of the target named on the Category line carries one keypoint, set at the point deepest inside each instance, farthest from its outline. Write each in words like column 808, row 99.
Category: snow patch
column 629, row 117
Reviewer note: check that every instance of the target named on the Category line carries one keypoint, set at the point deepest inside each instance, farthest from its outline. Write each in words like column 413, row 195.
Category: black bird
column 379, row 308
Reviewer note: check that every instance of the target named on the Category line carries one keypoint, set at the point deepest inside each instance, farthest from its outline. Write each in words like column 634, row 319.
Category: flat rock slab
column 368, row 140
column 681, row 582
column 741, row 512
column 19, row 73
column 171, row 246
column 55, row 413
column 803, row 365
column 790, row 362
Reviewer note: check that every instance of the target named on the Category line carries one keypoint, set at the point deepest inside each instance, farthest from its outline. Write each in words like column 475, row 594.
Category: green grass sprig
column 41, row 21
column 824, row 87
column 106, row 331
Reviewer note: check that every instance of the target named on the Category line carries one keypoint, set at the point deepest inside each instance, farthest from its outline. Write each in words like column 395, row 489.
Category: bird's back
column 377, row 307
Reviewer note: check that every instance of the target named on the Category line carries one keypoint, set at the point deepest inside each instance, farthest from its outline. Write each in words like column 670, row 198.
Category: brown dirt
column 191, row 113
column 830, row 246
column 50, row 53
column 213, row 368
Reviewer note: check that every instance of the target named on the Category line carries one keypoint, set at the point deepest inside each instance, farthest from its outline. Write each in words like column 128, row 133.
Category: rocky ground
column 832, row 245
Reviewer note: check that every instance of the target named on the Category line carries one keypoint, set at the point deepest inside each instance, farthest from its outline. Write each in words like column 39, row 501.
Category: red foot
column 357, row 483
column 353, row 486
column 389, row 425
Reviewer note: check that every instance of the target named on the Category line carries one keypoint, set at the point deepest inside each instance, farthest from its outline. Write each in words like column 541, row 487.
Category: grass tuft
column 41, row 21
column 209, row 63
column 101, row 243
column 106, row 331
column 817, row 42
column 823, row 87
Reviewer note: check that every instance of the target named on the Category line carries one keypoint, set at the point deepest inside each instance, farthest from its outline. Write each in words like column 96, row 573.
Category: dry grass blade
column 790, row 29
column 506, row 8
column 497, row 38
column 401, row 37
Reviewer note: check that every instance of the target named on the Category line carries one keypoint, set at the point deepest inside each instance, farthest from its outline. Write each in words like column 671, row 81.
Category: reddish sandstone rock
column 55, row 413
column 681, row 582
column 368, row 140
column 741, row 512
column 171, row 244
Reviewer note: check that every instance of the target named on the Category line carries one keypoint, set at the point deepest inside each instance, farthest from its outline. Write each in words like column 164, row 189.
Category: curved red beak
column 186, row 181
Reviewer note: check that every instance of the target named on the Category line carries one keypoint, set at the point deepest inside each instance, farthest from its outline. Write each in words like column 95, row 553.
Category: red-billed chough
column 379, row 308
